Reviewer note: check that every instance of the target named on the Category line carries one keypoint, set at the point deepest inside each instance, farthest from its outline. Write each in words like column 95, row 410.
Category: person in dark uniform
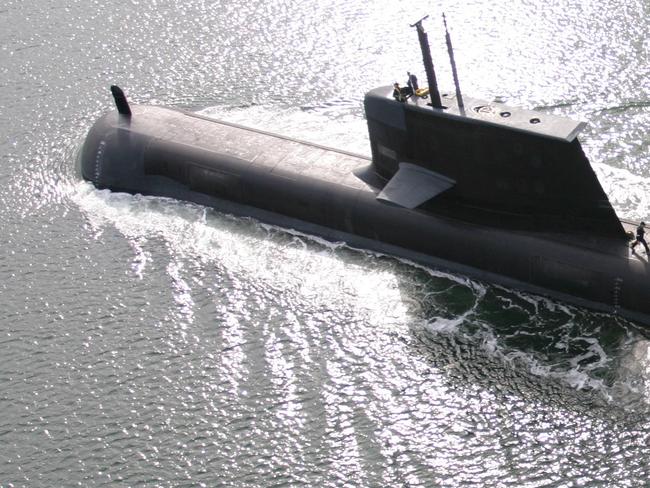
column 640, row 237
column 412, row 82
column 398, row 93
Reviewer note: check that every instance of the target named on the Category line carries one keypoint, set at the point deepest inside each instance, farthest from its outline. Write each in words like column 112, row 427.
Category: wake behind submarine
column 497, row 193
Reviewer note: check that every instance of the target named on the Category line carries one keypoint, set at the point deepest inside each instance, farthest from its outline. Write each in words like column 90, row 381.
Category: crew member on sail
column 640, row 233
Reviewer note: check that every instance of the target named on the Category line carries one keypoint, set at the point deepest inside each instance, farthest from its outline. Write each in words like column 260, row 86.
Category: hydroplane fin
column 413, row 185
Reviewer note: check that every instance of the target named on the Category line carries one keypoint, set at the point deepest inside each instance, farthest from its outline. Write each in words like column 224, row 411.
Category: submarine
column 497, row 193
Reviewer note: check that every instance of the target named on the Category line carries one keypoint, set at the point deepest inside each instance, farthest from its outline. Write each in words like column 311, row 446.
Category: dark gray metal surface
column 525, row 178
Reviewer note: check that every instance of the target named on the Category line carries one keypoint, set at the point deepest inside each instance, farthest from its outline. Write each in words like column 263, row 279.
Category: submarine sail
column 511, row 167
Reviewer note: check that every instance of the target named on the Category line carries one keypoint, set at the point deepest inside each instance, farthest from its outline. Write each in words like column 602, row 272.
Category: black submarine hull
column 313, row 189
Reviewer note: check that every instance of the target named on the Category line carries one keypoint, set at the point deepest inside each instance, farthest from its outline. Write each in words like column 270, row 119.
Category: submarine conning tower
column 492, row 163
column 485, row 162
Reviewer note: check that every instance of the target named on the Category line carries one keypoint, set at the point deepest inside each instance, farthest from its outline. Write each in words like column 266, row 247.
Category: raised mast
column 428, row 64
column 450, row 49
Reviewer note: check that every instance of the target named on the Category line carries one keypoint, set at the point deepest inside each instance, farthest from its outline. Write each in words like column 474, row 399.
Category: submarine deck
column 279, row 153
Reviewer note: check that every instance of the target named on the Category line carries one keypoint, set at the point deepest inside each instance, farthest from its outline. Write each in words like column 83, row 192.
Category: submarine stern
column 111, row 156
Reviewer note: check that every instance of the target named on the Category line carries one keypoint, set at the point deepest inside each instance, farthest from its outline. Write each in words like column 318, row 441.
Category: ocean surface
column 151, row 342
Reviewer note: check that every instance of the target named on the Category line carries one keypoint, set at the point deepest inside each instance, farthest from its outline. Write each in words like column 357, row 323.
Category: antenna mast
column 450, row 49
column 428, row 63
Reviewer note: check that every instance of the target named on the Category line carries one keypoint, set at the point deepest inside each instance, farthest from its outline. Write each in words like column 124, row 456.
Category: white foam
column 440, row 324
